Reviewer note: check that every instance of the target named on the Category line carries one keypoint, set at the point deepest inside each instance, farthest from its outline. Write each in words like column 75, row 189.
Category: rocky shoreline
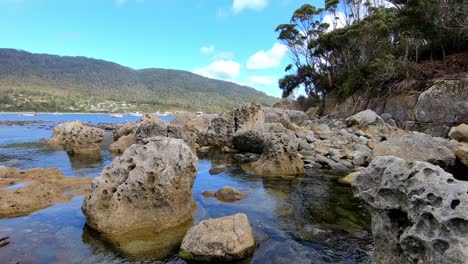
column 401, row 175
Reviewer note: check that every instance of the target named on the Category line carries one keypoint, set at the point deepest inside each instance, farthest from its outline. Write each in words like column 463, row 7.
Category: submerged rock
column 78, row 138
column 221, row 239
column 226, row 194
column 149, row 186
column 416, row 147
column 25, row 191
column 419, row 212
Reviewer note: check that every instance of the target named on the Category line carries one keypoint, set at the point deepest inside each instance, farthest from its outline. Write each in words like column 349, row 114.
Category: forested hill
column 41, row 82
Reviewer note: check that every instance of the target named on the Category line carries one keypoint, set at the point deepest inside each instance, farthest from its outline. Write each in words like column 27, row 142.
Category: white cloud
column 339, row 19
column 120, row 2
column 207, row 49
column 224, row 55
column 263, row 80
column 267, row 59
column 240, row 5
column 220, row 69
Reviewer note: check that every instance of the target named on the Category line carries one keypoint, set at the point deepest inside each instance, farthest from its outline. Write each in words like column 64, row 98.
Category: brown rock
column 122, row 144
column 459, row 133
column 42, row 188
column 221, row 239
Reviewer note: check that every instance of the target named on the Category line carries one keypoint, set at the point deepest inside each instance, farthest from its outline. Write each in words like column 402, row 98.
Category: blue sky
column 223, row 39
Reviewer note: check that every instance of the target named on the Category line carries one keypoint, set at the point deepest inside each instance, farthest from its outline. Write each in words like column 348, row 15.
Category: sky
column 233, row 40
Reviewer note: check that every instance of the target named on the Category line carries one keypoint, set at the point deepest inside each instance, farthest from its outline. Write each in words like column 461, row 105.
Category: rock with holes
column 221, row 239
column 78, row 138
column 279, row 158
column 419, row 212
column 416, row 147
column 125, row 129
column 149, row 186
column 222, row 128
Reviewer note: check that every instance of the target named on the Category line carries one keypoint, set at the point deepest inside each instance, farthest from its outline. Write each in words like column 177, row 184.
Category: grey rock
column 419, row 212
column 149, row 186
column 416, row 146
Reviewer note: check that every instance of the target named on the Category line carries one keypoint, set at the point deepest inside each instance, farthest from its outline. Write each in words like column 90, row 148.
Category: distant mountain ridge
column 39, row 82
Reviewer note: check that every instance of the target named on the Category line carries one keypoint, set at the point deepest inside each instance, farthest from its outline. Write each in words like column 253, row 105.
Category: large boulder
column 279, row 158
column 222, row 129
column 419, row 212
column 251, row 141
column 416, row 146
column 459, row 133
column 221, row 239
column 25, row 191
column 78, row 138
column 368, row 121
column 445, row 102
column 149, row 186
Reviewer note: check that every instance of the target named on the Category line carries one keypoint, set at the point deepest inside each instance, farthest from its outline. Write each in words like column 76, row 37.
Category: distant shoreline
column 48, row 113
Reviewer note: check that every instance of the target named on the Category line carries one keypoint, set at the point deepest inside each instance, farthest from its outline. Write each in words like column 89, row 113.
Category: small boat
column 115, row 115
column 160, row 114
column 57, row 113
column 138, row 114
column 29, row 114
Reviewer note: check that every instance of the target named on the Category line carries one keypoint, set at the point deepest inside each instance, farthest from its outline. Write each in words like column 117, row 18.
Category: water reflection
column 296, row 220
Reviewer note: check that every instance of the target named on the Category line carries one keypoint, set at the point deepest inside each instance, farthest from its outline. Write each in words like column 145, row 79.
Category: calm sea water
column 307, row 220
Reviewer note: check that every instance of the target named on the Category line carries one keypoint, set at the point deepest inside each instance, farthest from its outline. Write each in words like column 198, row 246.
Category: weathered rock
column 124, row 129
column 221, row 239
column 222, row 129
column 250, row 141
column 419, row 212
column 279, row 158
column 190, row 122
column 226, row 194
column 445, row 102
column 388, row 119
column 149, row 118
column 416, row 146
column 365, row 119
column 288, row 104
column 460, row 150
column 149, row 186
column 459, row 133
column 149, row 130
column 122, row 144
column 78, row 138
column 274, row 115
column 25, row 191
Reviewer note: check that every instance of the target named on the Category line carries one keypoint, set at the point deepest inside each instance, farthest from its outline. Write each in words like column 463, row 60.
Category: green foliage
column 54, row 83
column 374, row 49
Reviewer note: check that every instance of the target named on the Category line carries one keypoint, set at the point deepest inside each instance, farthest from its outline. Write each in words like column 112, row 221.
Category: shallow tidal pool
column 295, row 220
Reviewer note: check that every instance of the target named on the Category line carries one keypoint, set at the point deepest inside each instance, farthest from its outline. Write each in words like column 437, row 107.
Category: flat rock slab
column 25, row 191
